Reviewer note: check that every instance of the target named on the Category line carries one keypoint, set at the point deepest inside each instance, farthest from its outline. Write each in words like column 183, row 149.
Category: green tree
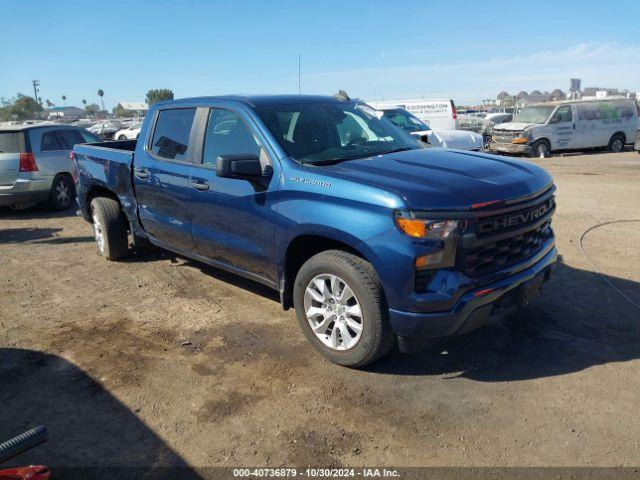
column 84, row 102
column 158, row 95
column 101, row 94
column 64, row 99
column 92, row 109
column 23, row 108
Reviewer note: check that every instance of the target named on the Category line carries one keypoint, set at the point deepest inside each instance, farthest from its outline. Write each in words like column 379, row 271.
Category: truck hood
column 438, row 179
column 513, row 126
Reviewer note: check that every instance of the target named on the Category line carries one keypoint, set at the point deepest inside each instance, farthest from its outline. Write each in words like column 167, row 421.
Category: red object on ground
column 38, row 472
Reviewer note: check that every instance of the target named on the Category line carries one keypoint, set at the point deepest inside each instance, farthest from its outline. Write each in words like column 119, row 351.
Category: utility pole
column 36, row 84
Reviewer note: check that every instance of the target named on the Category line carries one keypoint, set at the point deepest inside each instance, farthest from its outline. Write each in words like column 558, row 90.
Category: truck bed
column 120, row 151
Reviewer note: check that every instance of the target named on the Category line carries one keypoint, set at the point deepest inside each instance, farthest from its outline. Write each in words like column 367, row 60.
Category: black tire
column 541, row 149
column 62, row 193
column 107, row 215
column 377, row 337
column 122, row 137
column 616, row 144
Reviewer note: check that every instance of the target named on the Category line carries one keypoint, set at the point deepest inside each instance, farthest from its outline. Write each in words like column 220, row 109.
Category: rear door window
column 12, row 142
column 71, row 137
column 171, row 133
column 50, row 142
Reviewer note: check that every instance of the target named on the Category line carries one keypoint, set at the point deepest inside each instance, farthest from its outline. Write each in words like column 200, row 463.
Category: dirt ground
column 159, row 360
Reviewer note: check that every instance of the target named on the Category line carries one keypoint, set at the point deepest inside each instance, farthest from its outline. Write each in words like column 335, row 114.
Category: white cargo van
column 438, row 114
column 541, row 128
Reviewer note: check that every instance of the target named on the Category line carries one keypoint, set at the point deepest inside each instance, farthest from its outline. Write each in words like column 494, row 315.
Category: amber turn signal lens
column 520, row 140
column 413, row 228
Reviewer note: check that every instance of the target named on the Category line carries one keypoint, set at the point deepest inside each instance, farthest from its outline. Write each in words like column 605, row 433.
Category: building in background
column 138, row 109
column 67, row 113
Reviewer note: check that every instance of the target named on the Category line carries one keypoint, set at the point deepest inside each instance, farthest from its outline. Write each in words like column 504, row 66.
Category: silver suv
column 35, row 165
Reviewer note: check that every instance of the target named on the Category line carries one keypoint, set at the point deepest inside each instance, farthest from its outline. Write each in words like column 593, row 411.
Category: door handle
column 200, row 185
column 142, row 173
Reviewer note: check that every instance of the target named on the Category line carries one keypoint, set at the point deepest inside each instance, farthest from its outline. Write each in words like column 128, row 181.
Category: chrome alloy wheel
column 98, row 231
column 333, row 312
column 62, row 193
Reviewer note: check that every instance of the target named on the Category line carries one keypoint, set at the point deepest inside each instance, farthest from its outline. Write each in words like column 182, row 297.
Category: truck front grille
column 504, row 137
column 513, row 243
column 504, row 253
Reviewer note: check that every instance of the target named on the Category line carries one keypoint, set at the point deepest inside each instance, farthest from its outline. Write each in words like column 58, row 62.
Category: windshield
column 330, row 132
column 538, row 114
column 403, row 119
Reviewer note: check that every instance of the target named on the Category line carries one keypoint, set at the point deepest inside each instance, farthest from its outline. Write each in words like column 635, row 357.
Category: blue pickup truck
column 374, row 239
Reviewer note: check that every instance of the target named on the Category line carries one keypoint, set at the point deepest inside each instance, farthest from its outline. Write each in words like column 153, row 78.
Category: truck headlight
column 523, row 137
column 442, row 233
column 435, row 229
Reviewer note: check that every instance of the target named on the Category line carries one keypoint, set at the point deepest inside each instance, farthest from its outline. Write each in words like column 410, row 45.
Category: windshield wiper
column 396, row 150
column 357, row 157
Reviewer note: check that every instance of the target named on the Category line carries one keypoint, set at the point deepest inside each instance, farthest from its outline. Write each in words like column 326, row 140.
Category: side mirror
column 241, row 165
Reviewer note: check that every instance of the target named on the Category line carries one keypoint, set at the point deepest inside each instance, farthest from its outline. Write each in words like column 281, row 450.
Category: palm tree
column 48, row 102
column 101, row 94
column 84, row 102
column 64, row 99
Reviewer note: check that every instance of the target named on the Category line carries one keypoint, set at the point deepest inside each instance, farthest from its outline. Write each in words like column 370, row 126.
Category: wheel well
column 299, row 251
column 619, row 134
column 97, row 191
column 67, row 175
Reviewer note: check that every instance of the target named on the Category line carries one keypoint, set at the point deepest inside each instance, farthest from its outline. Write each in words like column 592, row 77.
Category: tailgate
column 11, row 144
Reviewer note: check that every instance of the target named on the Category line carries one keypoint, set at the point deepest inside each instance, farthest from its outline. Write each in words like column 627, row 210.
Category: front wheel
column 122, row 137
column 540, row 149
column 341, row 308
column 109, row 228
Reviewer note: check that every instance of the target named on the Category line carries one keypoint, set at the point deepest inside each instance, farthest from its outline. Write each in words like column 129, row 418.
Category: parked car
column 106, row 130
column 483, row 125
column 438, row 114
column 370, row 237
column 128, row 133
column 542, row 128
column 35, row 165
column 438, row 138
column 637, row 144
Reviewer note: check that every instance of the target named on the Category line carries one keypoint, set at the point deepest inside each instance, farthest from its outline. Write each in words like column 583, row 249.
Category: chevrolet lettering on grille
column 516, row 219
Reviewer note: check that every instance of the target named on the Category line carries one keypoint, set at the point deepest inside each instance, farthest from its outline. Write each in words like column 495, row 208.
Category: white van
column 541, row 128
column 438, row 114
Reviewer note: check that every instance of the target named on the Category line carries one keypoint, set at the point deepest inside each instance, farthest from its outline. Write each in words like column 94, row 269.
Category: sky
column 464, row 50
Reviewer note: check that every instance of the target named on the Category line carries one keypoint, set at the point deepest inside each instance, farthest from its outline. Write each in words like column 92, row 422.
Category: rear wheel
column 541, row 149
column 616, row 144
column 341, row 309
column 62, row 193
column 122, row 137
column 109, row 228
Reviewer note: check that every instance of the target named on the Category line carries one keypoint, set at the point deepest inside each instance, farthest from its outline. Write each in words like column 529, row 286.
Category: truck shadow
column 151, row 253
column 578, row 323
column 91, row 434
